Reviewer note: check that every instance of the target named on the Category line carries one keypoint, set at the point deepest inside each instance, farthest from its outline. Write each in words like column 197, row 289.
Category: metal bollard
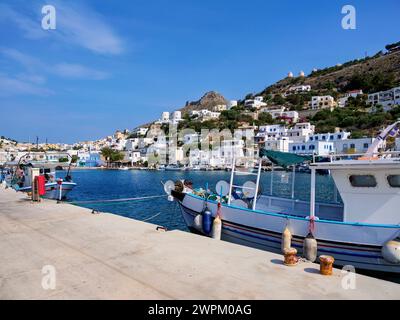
column 290, row 257
column 326, row 265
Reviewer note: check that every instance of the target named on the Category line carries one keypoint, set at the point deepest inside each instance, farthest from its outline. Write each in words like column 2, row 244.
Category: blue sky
column 117, row 64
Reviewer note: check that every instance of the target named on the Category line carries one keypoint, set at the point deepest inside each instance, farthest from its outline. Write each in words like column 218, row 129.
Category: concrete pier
column 104, row 256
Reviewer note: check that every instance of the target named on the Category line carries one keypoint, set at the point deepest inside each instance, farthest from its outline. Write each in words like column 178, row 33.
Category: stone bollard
column 326, row 265
column 290, row 257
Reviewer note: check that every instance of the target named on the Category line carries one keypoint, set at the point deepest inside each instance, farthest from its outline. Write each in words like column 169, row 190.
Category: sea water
column 116, row 184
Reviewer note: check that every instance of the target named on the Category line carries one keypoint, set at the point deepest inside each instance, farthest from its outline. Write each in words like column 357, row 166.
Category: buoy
column 290, row 257
column 326, row 265
column 216, row 228
column 310, row 248
column 198, row 223
column 391, row 251
column 207, row 221
column 286, row 239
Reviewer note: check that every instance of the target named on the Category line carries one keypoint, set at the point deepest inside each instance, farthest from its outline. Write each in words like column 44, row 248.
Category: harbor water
column 100, row 185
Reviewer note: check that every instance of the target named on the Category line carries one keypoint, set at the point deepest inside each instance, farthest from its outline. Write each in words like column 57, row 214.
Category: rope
column 156, row 215
column 116, row 200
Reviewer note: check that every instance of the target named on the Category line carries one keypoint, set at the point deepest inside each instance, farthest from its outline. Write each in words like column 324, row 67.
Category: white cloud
column 26, row 60
column 69, row 70
column 28, row 24
column 12, row 86
column 83, row 26
column 66, row 70
column 33, row 78
column 77, row 24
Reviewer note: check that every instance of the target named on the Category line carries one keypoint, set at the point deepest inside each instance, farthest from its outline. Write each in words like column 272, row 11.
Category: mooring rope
column 152, row 217
column 116, row 200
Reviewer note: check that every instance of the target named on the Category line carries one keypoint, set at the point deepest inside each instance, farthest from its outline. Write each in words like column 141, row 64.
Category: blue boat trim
column 389, row 226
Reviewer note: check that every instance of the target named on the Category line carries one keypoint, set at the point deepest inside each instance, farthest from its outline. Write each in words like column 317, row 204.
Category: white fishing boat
column 173, row 167
column 24, row 174
column 363, row 232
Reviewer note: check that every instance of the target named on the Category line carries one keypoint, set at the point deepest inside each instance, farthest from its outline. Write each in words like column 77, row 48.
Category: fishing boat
column 363, row 231
column 173, row 167
column 25, row 172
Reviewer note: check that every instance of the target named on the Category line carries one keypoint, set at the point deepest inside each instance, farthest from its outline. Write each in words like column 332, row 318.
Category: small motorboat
column 24, row 174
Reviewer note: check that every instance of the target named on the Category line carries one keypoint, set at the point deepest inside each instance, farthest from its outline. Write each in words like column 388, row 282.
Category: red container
column 41, row 185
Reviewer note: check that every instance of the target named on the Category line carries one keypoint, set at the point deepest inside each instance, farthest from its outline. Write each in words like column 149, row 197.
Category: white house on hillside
column 387, row 99
column 298, row 89
column 322, row 102
column 257, row 103
column 353, row 94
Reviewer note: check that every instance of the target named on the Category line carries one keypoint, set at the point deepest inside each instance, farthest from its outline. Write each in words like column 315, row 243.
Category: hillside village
column 334, row 110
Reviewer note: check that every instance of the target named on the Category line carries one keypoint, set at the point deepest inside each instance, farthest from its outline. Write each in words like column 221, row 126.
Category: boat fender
column 310, row 248
column 216, row 228
column 286, row 239
column 207, row 221
column 198, row 223
column 391, row 251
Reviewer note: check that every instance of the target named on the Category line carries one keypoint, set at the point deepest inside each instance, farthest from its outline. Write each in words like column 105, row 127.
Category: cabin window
column 394, row 181
column 363, row 181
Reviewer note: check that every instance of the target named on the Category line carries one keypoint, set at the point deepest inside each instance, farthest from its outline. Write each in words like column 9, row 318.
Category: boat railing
column 361, row 156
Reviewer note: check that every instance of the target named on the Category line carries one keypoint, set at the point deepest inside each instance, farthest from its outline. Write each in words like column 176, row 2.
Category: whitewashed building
column 220, row 107
column 332, row 137
column 205, row 114
column 353, row 145
column 281, row 144
column 233, row 103
column 257, row 102
column 298, row 89
column 320, row 148
column 164, row 117
column 176, row 117
column 141, row 131
column 322, row 102
column 342, row 102
column 398, row 144
column 387, row 99
column 271, row 132
column 300, row 131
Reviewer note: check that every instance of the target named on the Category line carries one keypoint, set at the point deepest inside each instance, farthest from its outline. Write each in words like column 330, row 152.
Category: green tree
column 107, row 153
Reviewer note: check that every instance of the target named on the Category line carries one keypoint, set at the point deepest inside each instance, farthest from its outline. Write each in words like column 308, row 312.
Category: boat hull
column 350, row 244
column 53, row 190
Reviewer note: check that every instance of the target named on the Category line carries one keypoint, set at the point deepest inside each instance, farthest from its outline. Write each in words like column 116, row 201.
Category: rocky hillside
column 342, row 76
column 208, row 101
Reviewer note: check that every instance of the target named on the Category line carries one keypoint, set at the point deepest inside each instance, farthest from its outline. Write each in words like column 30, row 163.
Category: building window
column 363, row 181
column 394, row 181
column 352, row 146
column 366, row 145
column 294, row 148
